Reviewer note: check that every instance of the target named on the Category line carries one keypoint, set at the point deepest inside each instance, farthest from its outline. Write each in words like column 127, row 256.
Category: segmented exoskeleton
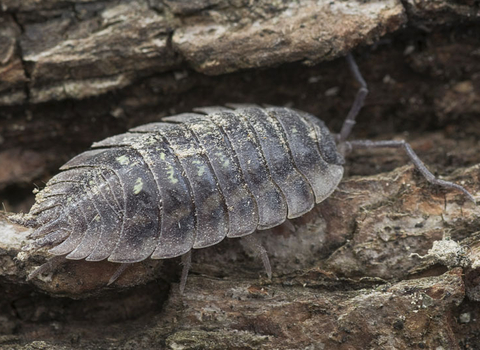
column 190, row 181
column 163, row 188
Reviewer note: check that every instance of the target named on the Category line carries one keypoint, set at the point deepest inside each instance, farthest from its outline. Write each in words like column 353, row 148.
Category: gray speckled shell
column 187, row 182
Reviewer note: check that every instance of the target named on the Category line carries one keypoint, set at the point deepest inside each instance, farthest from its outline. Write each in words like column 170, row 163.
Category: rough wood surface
column 387, row 262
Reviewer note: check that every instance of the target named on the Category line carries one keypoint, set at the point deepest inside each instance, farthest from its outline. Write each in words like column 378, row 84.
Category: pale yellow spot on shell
column 171, row 175
column 138, row 186
column 123, row 160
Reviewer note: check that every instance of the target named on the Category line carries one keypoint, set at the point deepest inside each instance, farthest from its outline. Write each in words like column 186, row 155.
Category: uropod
column 187, row 182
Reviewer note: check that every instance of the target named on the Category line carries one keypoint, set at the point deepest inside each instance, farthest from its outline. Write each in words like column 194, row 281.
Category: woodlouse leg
column 187, row 263
column 254, row 243
column 288, row 225
column 413, row 157
column 357, row 104
column 117, row 273
column 50, row 265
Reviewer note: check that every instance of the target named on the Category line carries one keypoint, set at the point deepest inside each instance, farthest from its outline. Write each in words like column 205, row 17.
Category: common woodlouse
column 190, row 181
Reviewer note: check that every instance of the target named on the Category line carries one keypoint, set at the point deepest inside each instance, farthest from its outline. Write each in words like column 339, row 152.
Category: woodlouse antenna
column 357, row 104
column 413, row 158
column 350, row 122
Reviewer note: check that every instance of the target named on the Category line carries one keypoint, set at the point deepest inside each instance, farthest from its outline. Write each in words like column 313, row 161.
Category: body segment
column 165, row 188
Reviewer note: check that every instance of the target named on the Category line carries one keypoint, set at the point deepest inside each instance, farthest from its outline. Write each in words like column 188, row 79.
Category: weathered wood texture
column 388, row 262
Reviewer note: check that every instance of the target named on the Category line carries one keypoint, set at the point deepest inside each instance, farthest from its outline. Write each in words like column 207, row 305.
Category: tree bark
column 387, row 262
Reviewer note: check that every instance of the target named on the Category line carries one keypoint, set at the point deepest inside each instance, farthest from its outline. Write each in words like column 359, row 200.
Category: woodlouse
column 190, row 181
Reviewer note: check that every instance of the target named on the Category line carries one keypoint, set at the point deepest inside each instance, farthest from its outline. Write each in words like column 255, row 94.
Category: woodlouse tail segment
column 49, row 240
column 358, row 144
column 52, row 225
column 48, row 233
column 27, row 220
column 43, row 214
